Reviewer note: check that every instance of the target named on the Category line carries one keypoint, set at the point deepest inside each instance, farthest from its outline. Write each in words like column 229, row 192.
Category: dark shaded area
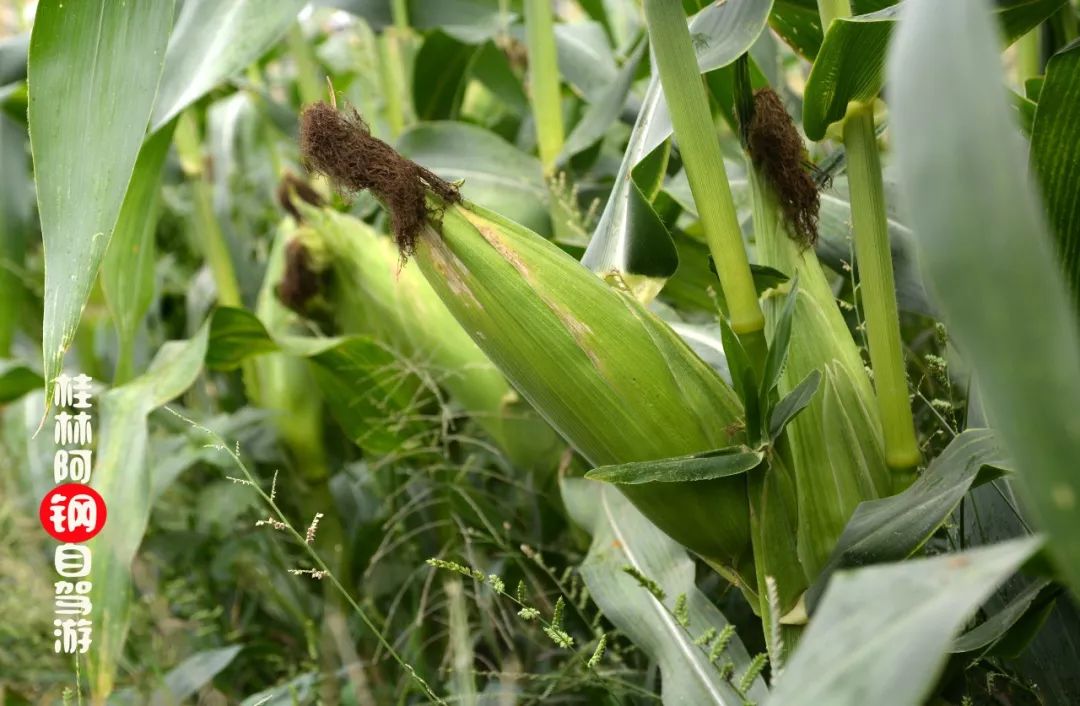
column 293, row 187
column 777, row 151
column 341, row 146
column 300, row 282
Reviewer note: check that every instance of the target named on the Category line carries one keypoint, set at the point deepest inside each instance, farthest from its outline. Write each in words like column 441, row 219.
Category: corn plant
column 515, row 350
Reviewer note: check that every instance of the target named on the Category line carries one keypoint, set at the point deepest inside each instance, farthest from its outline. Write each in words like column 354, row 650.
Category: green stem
column 215, row 249
column 1028, row 56
column 307, row 68
column 700, row 150
column 399, row 10
column 125, row 359
column 391, row 76
column 544, row 89
column 878, row 288
column 831, row 9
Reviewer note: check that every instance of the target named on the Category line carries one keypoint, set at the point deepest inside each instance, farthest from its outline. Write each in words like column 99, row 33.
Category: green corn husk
column 836, row 444
column 372, row 294
column 614, row 380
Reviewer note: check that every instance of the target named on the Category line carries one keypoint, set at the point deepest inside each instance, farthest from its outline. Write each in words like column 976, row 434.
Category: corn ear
column 613, row 379
column 836, row 444
column 372, row 294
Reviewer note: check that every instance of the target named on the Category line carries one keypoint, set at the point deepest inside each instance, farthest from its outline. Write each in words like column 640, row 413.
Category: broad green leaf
column 370, row 391
column 16, row 226
column 1055, row 157
column 987, row 255
column 94, row 69
column 799, row 24
column 496, row 174
column 440, row 74
column 213, row 40
column 122, row 475
column 235, row 336
column 881, row 634
column 601, row 114
column 628, row 225
column 585, row 59
column 721, row 463
column 491, row 68
column 794, row 402
column 850, row 65
column 472, row 21
column 891, row 528
column 1037, row 598
column 192, row 674
column 127, row 272
column 16, row 380
column 621, row 537
column 13, row 51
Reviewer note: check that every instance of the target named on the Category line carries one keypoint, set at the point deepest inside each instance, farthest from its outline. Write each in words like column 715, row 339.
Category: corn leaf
column 212, row 41
column 987, row 255
column 851, row 63
column 439, row 76
column 122, row 476
column 891, row 528
column 794, row 402
column 127, row 272
column 605, row 110
column 370, row 391
column 1055, row 157
column 94, row 70
column 621, row 537
column 721, row 463
column 16, row 224
column 889, row 651
column 1029, row 605
column 16, row 380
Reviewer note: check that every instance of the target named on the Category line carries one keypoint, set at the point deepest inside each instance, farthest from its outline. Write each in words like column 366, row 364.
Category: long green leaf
column 851, row 63
column 213, row 40
column 605, row 110
column 122, row 476
column 93, row 74
column 367, row 387
column 986, row 253
column 621, row 537
column 684, row 469
column 891, row 528
column 127, row 272
column 1055, row 156
column 881, row 634
column 16, row 225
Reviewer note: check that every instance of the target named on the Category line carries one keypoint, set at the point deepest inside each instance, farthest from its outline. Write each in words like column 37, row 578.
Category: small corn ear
column 836, row 444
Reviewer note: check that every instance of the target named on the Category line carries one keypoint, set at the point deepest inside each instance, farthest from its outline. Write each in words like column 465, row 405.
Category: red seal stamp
column 72, row 512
